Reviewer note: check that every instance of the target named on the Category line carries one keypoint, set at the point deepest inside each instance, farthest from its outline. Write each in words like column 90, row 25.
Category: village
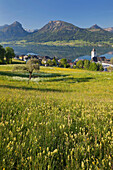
column 62, row 62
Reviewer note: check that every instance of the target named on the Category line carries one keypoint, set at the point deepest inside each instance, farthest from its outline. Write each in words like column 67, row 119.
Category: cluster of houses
column 43, row 60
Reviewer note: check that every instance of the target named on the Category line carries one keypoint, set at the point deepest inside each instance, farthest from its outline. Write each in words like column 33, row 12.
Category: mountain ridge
column 13, row 31
column 95, row 26
column 54, row 31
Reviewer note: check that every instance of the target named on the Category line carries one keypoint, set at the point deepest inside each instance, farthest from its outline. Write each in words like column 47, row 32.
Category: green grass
column 71, row 43
column 15, row 61
column 62, row 119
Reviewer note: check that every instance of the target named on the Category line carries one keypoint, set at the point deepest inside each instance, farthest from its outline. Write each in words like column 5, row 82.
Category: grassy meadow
column 62, row 119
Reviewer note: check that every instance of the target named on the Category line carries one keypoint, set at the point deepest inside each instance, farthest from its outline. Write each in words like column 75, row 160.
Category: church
column 95, row 58
column 94, row 55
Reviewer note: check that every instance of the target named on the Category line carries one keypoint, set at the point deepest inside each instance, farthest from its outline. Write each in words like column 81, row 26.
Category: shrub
column 93, row 67
column 80, row 64
column 99, row 67
column 86, row 64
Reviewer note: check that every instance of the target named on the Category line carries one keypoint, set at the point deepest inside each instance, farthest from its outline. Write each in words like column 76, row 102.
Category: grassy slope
column 63, row 118
column 73, row 43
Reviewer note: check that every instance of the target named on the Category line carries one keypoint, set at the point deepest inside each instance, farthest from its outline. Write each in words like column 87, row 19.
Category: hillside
column 96, row 28
column 60, row 30
column 12, row 32
column 55, row 31
column 61, row 120
column 3, row 27
column 109, row 29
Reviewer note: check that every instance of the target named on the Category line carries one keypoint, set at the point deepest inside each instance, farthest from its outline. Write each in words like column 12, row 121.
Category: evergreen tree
column 63, row 62
column 93, row 66
column 9, row 54
column 86, row 64
column 2, row 54
column 80, row 64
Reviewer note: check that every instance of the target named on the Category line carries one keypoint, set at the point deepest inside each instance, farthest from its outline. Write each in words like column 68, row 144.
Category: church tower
column 93, row 53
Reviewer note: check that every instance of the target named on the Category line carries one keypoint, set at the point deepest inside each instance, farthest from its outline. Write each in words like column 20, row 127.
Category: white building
column 93, row 53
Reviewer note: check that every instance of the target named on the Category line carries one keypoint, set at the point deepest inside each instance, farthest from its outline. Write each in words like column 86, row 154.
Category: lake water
column 61, row 51
column 108, row 55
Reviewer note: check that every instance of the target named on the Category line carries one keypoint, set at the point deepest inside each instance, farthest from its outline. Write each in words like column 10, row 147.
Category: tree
column 86, row 64
column 63, row 62
column 9, row 54
column 111, row 60
column 54, row 61
column 50, row 62
column 80, row 64
column 2, row 54
column 31, row 65
column 93, row 66
column 99, row 67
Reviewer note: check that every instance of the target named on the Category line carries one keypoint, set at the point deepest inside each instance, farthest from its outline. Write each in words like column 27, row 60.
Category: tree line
column 81, row 64
column 6, row 55
column 89, row 65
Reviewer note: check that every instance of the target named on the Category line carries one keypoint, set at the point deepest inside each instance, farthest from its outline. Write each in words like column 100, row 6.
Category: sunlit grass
column 62, row 119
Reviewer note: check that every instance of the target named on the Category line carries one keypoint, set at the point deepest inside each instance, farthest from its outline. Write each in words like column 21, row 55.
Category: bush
column 74, row 66
column 86, row 64
column 99, row 67
column 80, row 64
column 93, row 67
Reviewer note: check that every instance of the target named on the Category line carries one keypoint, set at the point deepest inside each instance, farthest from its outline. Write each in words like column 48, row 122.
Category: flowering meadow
column 62, row 119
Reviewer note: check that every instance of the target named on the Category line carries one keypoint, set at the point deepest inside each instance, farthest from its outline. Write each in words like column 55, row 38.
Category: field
column 62, row 119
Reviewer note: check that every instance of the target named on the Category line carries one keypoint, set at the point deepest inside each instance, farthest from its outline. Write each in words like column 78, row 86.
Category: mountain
column 12, row 32
column 4, row 26
column 109, row 29
column 55, row 26
column 60, row 30
column 95, row 28
column 55, row 31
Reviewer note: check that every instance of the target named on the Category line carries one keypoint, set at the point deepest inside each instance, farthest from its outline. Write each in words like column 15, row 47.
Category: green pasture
column 62, row 119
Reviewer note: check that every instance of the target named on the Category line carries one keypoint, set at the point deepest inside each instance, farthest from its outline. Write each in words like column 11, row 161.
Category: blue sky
column 36, row 13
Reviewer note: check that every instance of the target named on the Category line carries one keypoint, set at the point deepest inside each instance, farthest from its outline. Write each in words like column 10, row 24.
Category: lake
column 61, row 51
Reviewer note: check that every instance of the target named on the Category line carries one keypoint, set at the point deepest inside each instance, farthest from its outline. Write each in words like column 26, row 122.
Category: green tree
column 43, row 62
column 31, row 65
column 63, row 62
column 9, row 54
column 2, row 54
column 99, row 67
column 50, row 62
column 86, row 64
column 54, row 62
column 93, row 66
column 80, row 64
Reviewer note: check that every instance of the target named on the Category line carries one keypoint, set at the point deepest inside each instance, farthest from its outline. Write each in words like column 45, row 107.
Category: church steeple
column 93, row 53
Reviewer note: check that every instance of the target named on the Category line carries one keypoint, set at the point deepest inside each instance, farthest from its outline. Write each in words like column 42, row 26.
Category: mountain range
column 55, row 31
